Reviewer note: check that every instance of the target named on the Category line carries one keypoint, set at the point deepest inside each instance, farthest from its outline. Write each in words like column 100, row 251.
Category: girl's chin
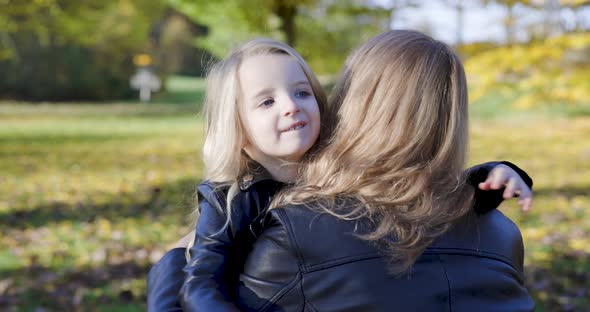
column 291, row 157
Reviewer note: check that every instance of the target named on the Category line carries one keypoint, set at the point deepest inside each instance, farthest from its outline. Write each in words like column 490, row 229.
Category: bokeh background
column 95, row 185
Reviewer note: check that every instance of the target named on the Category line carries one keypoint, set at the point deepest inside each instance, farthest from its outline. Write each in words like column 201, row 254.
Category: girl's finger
column 526, row 197
column 484, row 185
column 499, row 177
column 526, row 203
column 511, row 188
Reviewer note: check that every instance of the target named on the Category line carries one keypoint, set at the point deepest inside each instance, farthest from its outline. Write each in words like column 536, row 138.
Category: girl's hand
column 503, row 176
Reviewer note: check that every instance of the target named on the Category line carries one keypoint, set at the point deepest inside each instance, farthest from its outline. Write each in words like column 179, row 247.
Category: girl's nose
column 291, row 107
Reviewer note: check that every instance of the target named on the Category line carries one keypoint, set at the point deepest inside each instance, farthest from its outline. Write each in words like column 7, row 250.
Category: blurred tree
column 172, row 38
column 459, row 7
column 547, row 72
column 324, row 31
column 229, row 21
column 551, row 20
column 580, row 21
column 510, row 21
column 286, row 11
column 332, row 29
column 67, row 49
column 396, row 5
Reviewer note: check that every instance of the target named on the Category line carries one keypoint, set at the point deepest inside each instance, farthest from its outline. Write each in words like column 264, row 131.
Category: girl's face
column 278, row 108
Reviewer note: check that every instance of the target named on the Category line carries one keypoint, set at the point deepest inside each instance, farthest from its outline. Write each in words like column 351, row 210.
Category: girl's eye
column 303, row 94
column 267, row 102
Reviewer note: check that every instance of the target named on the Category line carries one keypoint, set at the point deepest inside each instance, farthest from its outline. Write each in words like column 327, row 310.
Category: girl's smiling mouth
column 296, row 126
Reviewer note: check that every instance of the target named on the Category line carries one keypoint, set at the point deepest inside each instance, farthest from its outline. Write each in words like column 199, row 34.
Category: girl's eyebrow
column 267, row 91
column 301, row 82
column 263, row 92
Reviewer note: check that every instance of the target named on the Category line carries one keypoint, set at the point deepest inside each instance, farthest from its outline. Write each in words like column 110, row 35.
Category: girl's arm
column 496, row 181
column 219, row 253
column 208, row 275
column 164, row 281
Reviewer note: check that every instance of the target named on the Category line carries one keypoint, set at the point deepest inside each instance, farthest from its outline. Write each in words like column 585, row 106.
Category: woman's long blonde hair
column 398, row 145
column 225, row 161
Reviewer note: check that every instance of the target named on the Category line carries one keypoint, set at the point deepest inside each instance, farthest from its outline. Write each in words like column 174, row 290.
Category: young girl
column 264, row 110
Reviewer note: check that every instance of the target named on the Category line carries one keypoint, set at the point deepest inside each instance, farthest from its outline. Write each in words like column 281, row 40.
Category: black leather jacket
column 218, row 257
column 308, row 261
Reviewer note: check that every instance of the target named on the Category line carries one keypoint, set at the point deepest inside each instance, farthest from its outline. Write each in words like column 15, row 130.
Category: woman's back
column 306, row 261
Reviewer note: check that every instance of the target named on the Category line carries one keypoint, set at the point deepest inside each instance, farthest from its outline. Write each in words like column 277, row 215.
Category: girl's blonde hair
column 225, row 161
column 398, row 145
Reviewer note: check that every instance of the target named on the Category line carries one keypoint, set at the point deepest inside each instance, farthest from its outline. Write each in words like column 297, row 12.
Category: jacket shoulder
column 321, row 240
column 489, row 235
column 502, row 236
column 213, row 194
column 209, row 189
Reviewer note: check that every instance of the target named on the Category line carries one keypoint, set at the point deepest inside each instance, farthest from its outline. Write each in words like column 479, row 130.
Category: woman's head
column 398, row 142
column 403, row 94
column 263, row 101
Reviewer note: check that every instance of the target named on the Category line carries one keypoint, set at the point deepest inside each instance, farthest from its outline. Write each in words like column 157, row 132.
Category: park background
column 95, row 186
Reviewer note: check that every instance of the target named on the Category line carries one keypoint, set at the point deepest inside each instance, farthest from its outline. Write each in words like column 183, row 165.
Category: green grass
column 499, row 104
column 182, row 90
column 92, row 195
column 555, row 151
column 92, row 188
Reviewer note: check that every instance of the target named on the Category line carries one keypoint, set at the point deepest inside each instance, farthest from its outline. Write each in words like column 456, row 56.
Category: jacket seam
column 292, row 239
column 469, row 252
column 440, row 261
column 281, row 293
column 341, row 261
column 305, row 303
column 310, row 307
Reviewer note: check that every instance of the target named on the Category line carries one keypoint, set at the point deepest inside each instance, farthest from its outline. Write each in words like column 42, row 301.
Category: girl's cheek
column 312, row 106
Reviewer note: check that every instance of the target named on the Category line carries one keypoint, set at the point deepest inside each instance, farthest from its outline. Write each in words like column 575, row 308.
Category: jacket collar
column 256, row 174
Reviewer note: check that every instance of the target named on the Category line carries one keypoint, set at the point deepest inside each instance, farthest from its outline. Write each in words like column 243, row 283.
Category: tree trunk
column 286, row 13
column 509, row 24
column 460, row 15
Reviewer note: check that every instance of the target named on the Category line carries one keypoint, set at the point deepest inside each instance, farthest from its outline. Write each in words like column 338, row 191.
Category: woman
column 381, row 219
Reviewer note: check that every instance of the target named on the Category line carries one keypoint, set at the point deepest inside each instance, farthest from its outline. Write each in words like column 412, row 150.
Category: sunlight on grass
column 556, row 153
column 92, row 195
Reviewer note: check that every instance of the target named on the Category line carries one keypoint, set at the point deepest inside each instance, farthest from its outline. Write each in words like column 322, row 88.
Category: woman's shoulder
column 318, row 236
column 489, row 235
column 502, row 236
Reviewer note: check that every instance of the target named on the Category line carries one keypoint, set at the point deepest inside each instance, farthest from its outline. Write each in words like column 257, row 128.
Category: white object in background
column 146, row 82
